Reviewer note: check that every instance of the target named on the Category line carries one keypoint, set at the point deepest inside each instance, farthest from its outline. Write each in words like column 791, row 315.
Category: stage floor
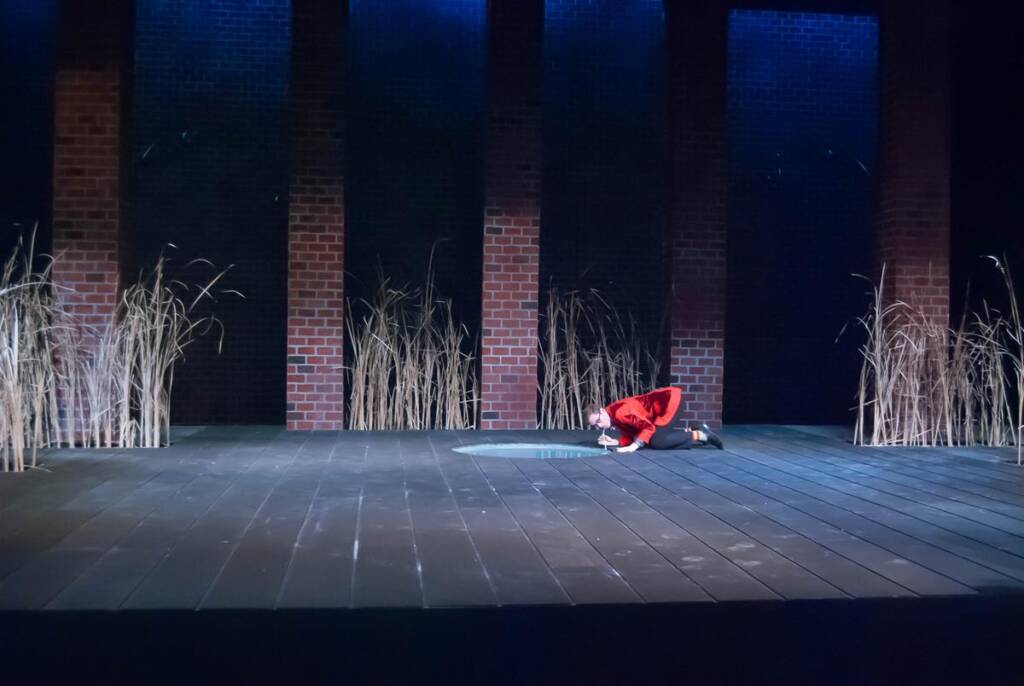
column 256, row 518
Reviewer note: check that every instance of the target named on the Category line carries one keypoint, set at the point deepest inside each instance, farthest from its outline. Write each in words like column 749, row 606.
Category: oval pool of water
column 537, row 451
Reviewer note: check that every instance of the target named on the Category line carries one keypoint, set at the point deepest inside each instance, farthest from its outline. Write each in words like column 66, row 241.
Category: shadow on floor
column 964, row 640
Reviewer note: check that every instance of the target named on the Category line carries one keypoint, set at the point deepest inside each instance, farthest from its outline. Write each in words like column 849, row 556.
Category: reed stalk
column 411, row 365
column 925, row 384
column 1014, row 329
column 65, row 383
column 587, row 354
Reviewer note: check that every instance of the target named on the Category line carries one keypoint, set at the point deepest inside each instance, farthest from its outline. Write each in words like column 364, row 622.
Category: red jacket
column 638, row 416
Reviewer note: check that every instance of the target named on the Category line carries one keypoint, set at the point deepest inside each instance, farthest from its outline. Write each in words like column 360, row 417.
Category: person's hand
column 606, row 441
column 631, row 448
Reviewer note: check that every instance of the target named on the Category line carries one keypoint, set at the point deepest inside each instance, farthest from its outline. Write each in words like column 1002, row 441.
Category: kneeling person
column 648, row 420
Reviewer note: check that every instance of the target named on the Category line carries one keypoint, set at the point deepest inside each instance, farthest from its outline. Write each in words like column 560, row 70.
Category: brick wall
column 604, row 200
column 210, row 174
column 316, row 218
column 697, row 211
column 87, row 212
column 802, row 113
column 511, row 221
column 913, row 222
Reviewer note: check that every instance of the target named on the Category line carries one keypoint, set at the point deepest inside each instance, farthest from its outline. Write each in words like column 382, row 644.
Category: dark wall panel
column 802, row 108
column 209, row 174
column 414, row 147
column 988, row 146
column 27, row 34
column 603, row 205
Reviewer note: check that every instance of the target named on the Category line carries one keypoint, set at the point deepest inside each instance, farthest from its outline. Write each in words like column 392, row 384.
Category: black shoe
column 713, row 438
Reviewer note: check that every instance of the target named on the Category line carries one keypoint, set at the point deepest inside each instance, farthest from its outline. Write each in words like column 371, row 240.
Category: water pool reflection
column 539, row 451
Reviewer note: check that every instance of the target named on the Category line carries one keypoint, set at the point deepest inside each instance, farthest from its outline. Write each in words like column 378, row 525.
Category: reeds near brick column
column 29, row 335
column 156, row 325
column 587, row 354
column 1014, row 351
column 412, row 364
column 926, row 384
column 64, row 383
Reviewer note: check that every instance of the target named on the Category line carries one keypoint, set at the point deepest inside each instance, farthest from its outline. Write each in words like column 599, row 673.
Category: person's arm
column 642, row 428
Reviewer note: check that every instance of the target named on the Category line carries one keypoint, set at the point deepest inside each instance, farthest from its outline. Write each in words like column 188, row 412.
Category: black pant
column 673, row 436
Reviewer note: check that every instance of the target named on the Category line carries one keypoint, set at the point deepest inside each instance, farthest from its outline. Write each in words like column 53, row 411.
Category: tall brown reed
column 156, row 325
column 27, row 326
column 412, row 366
column 587, row 354
column 65, row 383
column 1014, row 326
column 925, row 384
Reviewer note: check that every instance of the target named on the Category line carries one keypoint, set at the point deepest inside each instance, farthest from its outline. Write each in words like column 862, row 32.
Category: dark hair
column 592, row 408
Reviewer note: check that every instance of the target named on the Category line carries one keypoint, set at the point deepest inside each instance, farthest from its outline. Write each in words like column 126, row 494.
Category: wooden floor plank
column 252, row 577
column 788, row 508
column 451, row 569
column 320, row 574
column 182, row 577
column 254, row 573
column 36, row 524
column 844, row 573
column 797, row 493
column 720, row 578
column 941, row 461
column 64, row 473
column 973, row 521
column 262, row 517
column 107, row 583
column 898, row 514
column 951, row 489
column 870, row 557
column 40, row 496
column 386, row 567
column 581, row 570
column 45, row 575
column 647, row 481
column 515, row 568
column 186, row 572
column 646, row 570
column 115, row 575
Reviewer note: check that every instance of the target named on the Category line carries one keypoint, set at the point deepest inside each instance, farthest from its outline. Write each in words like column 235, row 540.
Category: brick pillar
column 87, row 203
column 511, row 240
column 696, row 46
column 316, row 218
column 914, row 164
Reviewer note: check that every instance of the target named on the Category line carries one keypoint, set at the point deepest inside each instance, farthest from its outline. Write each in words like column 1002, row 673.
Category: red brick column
column 87, row 182
column 511, row 240
column 696, row 45
column 914, row 164
column 316, row 219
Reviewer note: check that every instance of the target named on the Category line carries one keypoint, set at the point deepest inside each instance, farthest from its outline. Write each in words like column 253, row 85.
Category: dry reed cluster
column 926, row 384
column 64, row 383
column 412, row 365
column 588, row 355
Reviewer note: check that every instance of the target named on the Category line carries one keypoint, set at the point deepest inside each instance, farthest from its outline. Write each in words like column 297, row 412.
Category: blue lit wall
column 604, row 152
column 414, row 146
column 27, row 33
column 802, row 108
column 209, row 173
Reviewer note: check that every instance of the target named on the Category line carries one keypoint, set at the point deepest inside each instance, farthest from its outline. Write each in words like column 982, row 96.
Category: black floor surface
column 251, row 554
